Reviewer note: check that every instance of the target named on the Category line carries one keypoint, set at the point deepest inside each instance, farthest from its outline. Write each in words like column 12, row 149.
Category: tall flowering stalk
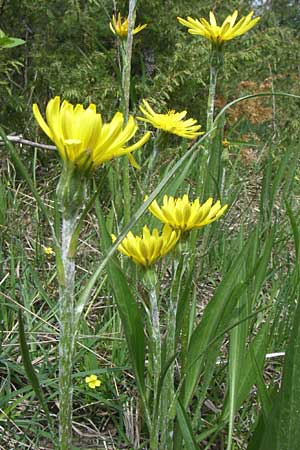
column 124, row 30
column 126, row 78
column 210, row 159
column 217, row 35
column 84, row 143
column 145, row 250
column 179, row 216
column 182, row 215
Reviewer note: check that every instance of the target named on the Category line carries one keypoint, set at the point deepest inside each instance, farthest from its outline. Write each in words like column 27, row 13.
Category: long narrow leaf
column 264, row 436
column 295, row 230
column 257, row 349
column 32, row 377
column 210, row 322
column 289, row 411
column 88, row 288
column 128, row 309
column 186, row 428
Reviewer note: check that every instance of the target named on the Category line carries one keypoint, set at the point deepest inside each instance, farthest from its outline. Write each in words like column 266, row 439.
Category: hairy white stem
column 156, row 363
column 67, row 337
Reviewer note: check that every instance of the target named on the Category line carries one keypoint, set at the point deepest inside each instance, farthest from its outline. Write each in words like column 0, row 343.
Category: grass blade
column 128, row 309
column 185, row 428
column 257, row 350
column 32, row 376
column 142, row 209
column 289, row 411
column 223, row 300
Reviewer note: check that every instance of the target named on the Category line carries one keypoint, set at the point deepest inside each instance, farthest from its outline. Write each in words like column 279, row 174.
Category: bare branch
column 20, row 140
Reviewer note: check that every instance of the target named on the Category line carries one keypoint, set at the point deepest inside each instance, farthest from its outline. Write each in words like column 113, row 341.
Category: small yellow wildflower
column 49, row 251
column 119, row 26
column 225, row 143
column 146, row 249
column 92, row 381
column 181, row 214
column 219, row 34
column 81, row 137
column 172, row 122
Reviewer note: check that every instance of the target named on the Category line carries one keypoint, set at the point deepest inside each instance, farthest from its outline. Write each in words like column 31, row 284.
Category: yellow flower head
column 92, row 381
column 82, row 138
column 49, row 251
column 119, row 26
column 146, row 249
column 172, row 122
column 181, row 214
column 219, row 34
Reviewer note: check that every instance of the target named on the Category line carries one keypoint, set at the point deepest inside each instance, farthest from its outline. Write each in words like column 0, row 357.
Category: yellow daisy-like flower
column 92, row 381
column 146, row 249
column 225, row 143
column 172, row 122
column 119, row 26
column 49, row 251
column 181, row 214
column 219, row 34
column 82, row 138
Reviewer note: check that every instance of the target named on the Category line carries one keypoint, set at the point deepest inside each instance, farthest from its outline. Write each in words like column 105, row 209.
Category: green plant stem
column 204, row 179
column 126, row 190
column 205, row 155
column 156, row 363
column 182, row 282
column 126, row 55
column 168, row 390
column 211, row 96
column 126, row 58
column 153, row 156
column 67, row 338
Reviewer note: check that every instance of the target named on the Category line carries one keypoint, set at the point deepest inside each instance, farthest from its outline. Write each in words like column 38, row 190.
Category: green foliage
column 9, row 42
column 242, row 304
column 73, row 54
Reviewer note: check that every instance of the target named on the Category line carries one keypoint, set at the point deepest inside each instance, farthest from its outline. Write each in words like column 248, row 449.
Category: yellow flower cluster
column 179, row 215
column 183, row 215
column 172, row 122
column 82, row 138
column 119, row 26
column 216, row 33
column 149, row 247
column 49, row 251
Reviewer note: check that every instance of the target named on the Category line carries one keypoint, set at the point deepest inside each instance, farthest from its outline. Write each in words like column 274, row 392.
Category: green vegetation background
column 70, row 51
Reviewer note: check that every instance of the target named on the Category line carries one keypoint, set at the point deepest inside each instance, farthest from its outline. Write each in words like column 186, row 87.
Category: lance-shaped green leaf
column 224, row 300
column 186, row 428
column 289, row 410
column 31, row 374
column 239, row 335
column 128, row 308
column 257, row 350
column 265, row 434
column 9, row 42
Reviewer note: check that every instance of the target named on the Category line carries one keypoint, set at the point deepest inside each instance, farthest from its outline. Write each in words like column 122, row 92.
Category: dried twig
column 20, row 140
